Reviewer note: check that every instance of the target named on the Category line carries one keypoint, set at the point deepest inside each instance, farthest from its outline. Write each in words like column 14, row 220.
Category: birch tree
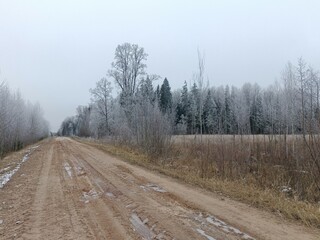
column 301, row 71
column 127, row 68
column 200, row 79
column 101, row 97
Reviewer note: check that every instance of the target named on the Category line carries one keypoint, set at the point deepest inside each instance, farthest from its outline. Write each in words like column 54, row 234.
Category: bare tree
column 200, row 77
column 313, row 92
column 101, row 97
column 126, row 69
column 302, row 81
column 288, row 78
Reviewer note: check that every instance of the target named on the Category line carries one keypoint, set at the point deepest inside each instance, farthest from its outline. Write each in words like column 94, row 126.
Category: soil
column 69, row 190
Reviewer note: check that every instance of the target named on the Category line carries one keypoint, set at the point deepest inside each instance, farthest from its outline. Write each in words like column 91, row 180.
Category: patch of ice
column 153, row 187
column 215, row 221
column 35, row 147
column 68, row 169
column 140, row 227
column 130, row 205
column 226, row 228
column 87, row 196
column 80, row 171
column 110, row 194
column 205, row 235
column 156, row 188
column 25, row 158
column 6, row 177
column 246, row 237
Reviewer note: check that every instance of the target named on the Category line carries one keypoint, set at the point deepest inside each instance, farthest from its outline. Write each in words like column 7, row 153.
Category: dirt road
column 69, row 190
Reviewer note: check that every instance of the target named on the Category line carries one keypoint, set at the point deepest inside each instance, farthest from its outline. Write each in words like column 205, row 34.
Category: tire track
column 162, row 213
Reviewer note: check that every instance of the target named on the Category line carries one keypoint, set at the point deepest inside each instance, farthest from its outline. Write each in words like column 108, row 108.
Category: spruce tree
column 183, row 106
column 208, row 114
column 146, row 90
column 227, row 111
column 165, row 97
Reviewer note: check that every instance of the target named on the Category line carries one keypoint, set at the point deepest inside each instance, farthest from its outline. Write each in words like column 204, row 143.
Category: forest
column 21, row 123
column 289, row 106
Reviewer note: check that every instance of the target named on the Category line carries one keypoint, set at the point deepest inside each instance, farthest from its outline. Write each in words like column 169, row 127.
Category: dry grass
column 249, row 171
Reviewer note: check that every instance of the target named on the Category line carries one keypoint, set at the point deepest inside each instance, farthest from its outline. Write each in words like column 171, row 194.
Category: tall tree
column 83, row 121
column 200, row 78
column 165, row 97
column 227, row 111
column 127, row 68
column 183, row 106
column 209, row 114
column 101, row 97
column 256, row 112
column 302, row 75
column 288, row 77
column 193, row 113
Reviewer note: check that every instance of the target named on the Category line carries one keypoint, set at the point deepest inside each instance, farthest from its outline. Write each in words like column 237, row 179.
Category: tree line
column 21, row 122
column 144, row 114
column 287, row 107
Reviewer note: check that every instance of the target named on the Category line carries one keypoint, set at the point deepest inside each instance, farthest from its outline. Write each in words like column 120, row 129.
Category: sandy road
column 69, row 190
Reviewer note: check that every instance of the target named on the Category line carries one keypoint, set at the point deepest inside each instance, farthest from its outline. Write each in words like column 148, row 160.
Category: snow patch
column 286, row 189
column 7, row 175
column 68, row 169
column 25, row 158
column 35, row 147
column 205, row 235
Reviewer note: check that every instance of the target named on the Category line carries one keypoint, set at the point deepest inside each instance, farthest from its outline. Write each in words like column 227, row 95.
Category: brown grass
column 252, row 171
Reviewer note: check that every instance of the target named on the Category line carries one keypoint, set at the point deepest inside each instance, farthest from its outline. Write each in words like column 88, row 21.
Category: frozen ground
column 6, row 173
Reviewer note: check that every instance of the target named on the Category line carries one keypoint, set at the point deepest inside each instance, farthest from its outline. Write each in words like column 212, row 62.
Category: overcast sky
column 54, row 51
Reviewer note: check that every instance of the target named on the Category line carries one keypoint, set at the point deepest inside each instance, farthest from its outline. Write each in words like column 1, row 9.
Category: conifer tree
column 165, row 97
